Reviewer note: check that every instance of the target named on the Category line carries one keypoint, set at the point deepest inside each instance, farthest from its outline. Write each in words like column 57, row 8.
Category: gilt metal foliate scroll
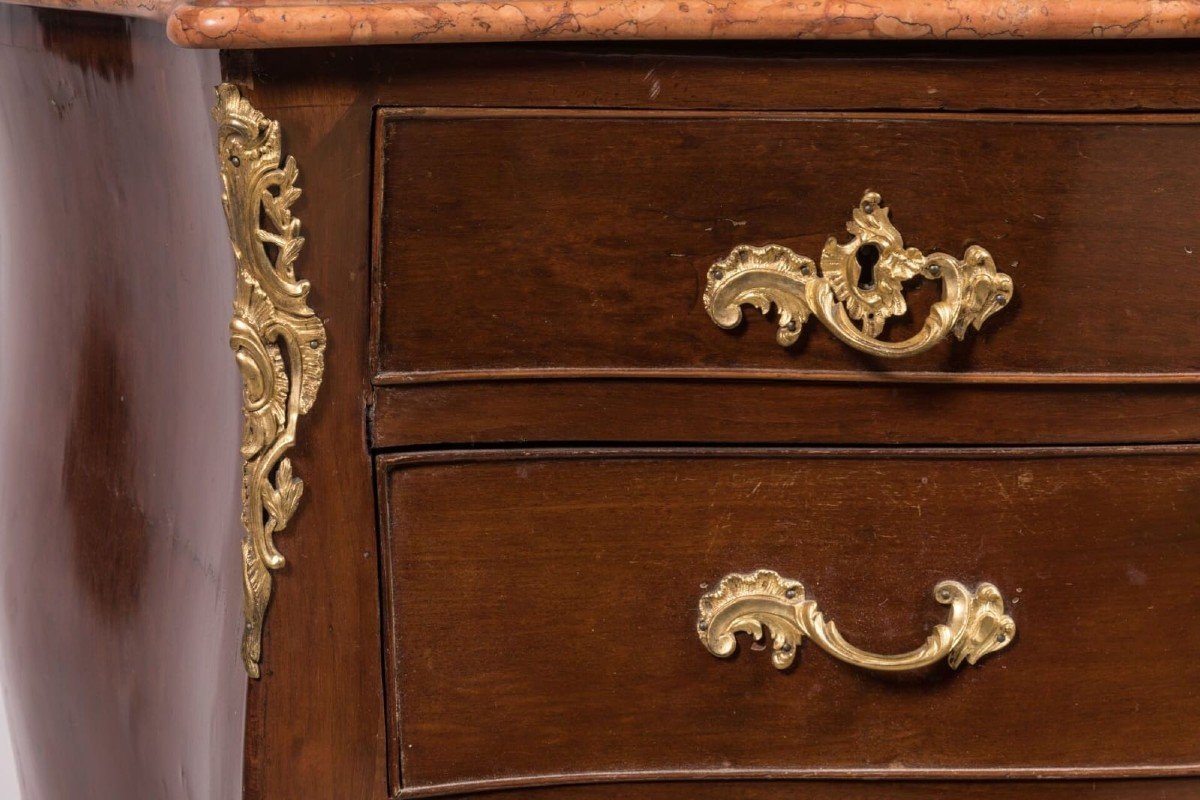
column 278, row 341
column 860, row 286
column 764, row 600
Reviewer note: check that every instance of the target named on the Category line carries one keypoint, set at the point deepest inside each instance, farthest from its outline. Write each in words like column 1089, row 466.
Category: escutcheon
column 859, row 287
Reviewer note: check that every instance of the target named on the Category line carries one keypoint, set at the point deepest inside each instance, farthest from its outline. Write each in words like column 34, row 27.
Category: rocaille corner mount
column 278, row 341
column 860, row 286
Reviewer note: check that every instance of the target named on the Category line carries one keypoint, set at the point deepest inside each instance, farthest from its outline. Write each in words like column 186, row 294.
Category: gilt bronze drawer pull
column 750, row 603
column 859, row 282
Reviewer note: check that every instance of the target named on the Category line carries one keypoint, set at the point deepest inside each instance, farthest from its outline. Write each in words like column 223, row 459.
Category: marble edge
column 204, row 25
column 248, row 24
column 145, row 9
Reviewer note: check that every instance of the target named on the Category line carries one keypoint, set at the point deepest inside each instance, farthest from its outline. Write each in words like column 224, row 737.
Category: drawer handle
column 750, row 603
column 859, row 282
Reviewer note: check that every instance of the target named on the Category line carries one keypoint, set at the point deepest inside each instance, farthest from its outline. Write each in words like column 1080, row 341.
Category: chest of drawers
column 534, row 502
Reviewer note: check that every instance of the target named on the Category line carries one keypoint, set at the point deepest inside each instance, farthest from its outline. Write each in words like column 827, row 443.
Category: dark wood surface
column 543, row 612
column 316, row 717
column 333, row 117
column 777, row 412
column 579, row 242
column 119, row 433
column 1092, row 76
column 119, row 423
column 1159, row 789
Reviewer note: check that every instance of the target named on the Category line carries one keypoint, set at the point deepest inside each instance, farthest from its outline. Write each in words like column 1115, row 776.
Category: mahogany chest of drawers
column 533, row 501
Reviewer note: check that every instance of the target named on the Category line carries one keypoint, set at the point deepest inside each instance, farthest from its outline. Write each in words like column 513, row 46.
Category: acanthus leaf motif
column 764, row 600
column 278, row 341
column 761, row 277
column 283, row 496
column 853, row 305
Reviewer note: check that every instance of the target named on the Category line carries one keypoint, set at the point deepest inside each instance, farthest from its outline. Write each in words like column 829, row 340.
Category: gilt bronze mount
column 765, row 601
column 278, row 341
column 859, row 287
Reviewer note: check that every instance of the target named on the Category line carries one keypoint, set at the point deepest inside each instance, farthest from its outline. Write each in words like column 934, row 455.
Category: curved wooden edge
column 734, row 774
column 414, row 458
column 391, row 378
column 255, row 24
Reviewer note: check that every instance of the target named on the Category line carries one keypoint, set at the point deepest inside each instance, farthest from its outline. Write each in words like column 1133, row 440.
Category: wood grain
column 809, row 76
column 543, row 607
column 581, row 241
column 119, row 424
column 869, row 790
column 780, row 412
column 119, row 427
column 1009, row 77
column 316, row 726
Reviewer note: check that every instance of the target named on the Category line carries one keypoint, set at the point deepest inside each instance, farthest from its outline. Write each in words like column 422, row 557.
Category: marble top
column 231, row 24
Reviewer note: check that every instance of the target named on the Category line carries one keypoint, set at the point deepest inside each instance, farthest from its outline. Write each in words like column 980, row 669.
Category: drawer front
column 572, row 244
column 543, row 613
column 775, row 412
column 1155, row 789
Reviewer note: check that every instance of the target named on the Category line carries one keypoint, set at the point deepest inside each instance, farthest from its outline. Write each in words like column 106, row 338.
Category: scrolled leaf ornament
column 278, row 341
column 859, row 287
column 765, row 602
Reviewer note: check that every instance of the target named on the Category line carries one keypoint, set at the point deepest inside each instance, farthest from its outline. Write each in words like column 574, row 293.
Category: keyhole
column 867, row 257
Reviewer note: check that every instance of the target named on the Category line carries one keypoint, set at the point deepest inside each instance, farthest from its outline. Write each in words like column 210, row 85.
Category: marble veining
column 263, row 24
column 272, row 23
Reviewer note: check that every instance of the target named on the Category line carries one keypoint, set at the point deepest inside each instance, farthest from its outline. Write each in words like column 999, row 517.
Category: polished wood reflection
column 119, row 424
column 543, row 608
column 319, row 699
column 119, row 427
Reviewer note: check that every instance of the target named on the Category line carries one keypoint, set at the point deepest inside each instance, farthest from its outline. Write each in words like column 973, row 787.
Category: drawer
column 1149, row 789
column 773, row 412
column 570, row 251
column 579, row 243
column 543, row 605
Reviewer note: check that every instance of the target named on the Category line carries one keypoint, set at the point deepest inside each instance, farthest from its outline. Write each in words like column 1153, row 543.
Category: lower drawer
column 1149, row 789
column 543, row 614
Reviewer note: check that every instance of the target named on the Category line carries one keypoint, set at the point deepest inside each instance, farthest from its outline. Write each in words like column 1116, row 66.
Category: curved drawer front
column 543, row 614
column 580, row 243
column 1148, row 789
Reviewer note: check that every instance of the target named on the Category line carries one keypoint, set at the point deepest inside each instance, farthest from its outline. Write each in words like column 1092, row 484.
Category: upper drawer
column 575, row 244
